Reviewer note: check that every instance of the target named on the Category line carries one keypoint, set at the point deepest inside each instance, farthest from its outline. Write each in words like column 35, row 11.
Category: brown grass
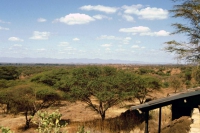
column 118, row 119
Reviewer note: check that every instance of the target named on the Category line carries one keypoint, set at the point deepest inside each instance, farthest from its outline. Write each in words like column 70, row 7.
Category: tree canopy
column 189, row 10
column 101, row 87
column 28, row 98
column 9, row 73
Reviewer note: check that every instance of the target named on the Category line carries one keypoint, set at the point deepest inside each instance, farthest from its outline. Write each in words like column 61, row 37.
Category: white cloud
column 63, row 44
column 2, row 28
column 75, row 18
column 159, row 33
column 144, row 31
column 128, row 18
column 41, row 49
column 15, row 39
column 41, row 20
column 106, row 45
column 146, row 13
column 138, row 29
column 153, row 13
column 135, row 46
column 100, row 8
column 76, row 39
column 40, row 35
column 132, row 9
column 108, row 37
column 17, row 45
column 126, row 40
column 147, row 34
column 162, row 33
column 100, row 17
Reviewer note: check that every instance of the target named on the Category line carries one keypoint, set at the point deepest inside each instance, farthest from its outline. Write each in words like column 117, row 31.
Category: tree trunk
column 103, row 116
column 7, row 108
column 27, row 124
column 28, row 120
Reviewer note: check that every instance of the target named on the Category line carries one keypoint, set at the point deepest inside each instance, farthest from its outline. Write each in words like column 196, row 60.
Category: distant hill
column 68, row 61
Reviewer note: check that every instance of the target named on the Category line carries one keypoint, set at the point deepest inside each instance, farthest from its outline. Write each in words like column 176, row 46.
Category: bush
column 48, row 122
column 6, row 130
column 9, row 73
column 165, row 85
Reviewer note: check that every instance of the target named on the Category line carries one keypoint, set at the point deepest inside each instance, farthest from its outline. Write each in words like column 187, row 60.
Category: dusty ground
column 75, row 112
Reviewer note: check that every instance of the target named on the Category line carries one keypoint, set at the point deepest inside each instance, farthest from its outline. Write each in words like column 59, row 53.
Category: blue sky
column 120, row 30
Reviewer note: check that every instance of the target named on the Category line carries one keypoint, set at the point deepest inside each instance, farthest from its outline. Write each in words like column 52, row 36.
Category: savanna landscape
column 89, row 98
column 44, row 97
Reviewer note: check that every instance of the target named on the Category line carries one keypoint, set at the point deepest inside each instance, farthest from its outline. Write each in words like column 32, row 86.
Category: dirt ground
column 74, row 112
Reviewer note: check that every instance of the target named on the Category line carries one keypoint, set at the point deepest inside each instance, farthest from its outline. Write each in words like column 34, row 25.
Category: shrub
column 48, row 122
column 6, row 130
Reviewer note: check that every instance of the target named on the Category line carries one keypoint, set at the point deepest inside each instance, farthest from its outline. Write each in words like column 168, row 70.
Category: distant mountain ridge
column 64, row 61
column 67, row 61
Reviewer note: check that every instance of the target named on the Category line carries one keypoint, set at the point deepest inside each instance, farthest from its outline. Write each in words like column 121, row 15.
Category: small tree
column 28, row 99
column 175, row 83
column 145, row 85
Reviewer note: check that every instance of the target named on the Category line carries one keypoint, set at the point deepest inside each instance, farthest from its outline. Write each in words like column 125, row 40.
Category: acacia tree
column 28, row 99
column 9, row 73
column 101, row 87
column 190, row 11
column 145, row 85
column 175, row 82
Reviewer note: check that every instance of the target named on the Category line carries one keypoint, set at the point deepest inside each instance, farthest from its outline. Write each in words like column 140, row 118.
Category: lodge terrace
column 182, row 103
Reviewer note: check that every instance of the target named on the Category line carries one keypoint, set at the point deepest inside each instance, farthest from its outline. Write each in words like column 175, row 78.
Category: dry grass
column 116, row 121
column 181, row 125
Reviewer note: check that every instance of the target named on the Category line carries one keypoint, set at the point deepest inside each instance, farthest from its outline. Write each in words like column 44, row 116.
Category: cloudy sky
column 132, row 30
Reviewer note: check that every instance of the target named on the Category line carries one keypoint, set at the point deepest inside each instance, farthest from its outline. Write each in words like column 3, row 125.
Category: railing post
column 146, row 121
column 159, row 123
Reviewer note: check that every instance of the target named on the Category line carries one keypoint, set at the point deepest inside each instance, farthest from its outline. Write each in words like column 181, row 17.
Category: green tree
column 9, row 72
column 101, row 87
column 175, row 82
column 50, row 78
column 145, row 85
column 190, row 11
column 29, row 99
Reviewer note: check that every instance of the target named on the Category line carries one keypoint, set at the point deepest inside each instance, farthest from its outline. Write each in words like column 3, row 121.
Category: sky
column 133, row 30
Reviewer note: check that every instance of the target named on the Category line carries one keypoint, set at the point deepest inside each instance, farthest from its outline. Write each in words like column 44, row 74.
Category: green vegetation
column 106, row 85
column 48, row 122
column 9, row 73
column 145, row 85
column 28, row 98
column 6, row 130
column 100, row 87
column 175, row 83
